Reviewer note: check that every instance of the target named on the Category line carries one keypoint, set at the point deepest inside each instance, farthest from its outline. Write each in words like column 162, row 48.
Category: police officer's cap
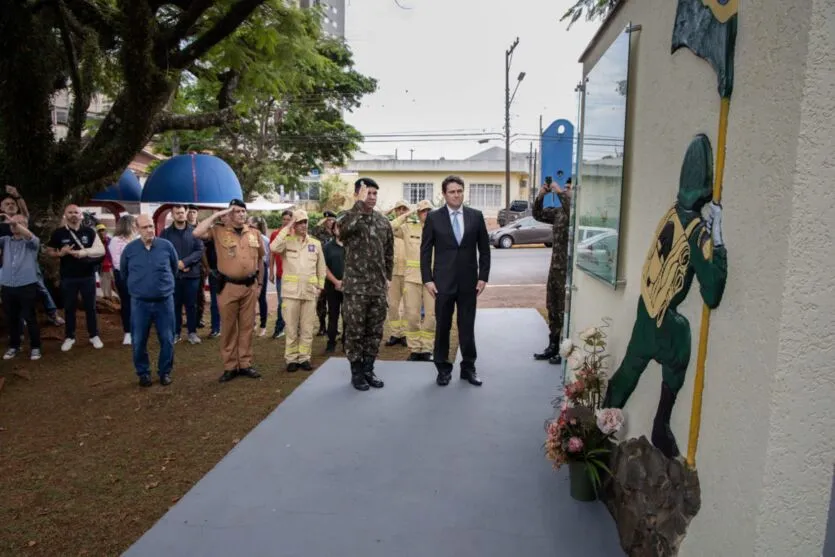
column 237, row 203
column 329, row 214
column 367, row 182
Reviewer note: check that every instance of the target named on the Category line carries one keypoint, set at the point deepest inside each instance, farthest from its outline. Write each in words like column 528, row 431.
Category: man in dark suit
column 451, row 235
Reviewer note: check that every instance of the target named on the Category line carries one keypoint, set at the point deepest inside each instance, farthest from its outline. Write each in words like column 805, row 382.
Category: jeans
column 124, row 300
column 161, row 314
column 215, row 311
column 262, row 298
column 70, row 289
column 279, row 322
column 185, row 294
column 46, row 298
column 19, row 304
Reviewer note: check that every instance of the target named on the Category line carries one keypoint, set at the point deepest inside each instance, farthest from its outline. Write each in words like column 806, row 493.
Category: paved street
column 519, row 266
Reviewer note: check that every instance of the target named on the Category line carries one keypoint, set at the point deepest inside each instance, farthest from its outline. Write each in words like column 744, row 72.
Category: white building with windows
column 415, row 180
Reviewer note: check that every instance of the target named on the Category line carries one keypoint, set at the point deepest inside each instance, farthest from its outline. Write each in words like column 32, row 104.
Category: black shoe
column 277, row 334
column 358, row 377
column 662, row 435
column 228, row 375
column 392, row 341
column 471, row 377
column 292, row 368
column 145, row 381
column 548, row 353
column 443, row 378
column 214, row 334
column 201, row 325
column 330, row 348
column 306, row 366
column 368, row 371
column 165, row 380
column 415, row 357
column 404, row 342
column 426, row 356
column 556, row 360
column 249, row 372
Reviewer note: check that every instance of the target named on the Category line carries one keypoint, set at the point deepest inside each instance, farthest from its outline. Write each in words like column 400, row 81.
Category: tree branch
column 78, row 112
column 168, row 121
column 94, row 15
column 236, row 15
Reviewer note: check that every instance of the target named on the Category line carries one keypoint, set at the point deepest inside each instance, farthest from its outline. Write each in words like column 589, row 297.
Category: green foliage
column 593, row 9
column 251, row 79
column 293, row 100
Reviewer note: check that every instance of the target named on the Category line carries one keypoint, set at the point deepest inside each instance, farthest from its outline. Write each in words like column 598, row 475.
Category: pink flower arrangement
column 584, row 430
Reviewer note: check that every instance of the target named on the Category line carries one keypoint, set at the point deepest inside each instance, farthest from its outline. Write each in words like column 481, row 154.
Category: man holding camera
column 555, row 291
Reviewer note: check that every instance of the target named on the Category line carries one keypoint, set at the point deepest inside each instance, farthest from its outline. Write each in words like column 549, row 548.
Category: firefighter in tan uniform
column 303, row 264
column 420, row 334
column 396, row 321
column 240, row 256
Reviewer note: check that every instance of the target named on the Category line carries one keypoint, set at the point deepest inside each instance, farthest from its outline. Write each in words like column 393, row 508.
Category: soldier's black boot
column 358, row 377
column 662, row 435
column 555, row 360
column 551, row 351
column 368, row 372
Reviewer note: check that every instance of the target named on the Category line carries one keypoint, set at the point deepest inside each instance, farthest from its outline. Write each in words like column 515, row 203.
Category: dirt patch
column 512, row 297
column 90, row 461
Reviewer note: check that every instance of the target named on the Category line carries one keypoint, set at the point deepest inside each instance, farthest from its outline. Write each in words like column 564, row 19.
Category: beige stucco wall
column 391, row 185
column 764, row 409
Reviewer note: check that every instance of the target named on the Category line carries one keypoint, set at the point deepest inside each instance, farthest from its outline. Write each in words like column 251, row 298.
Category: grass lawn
column 90, row 461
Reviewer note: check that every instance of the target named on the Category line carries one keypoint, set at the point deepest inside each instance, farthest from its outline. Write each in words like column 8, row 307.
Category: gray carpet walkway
column 412, row 470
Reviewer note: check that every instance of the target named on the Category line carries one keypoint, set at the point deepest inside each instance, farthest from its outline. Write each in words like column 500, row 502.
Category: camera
column 549, row 180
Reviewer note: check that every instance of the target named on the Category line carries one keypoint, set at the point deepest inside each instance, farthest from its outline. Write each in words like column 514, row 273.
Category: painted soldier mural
column 681, row 250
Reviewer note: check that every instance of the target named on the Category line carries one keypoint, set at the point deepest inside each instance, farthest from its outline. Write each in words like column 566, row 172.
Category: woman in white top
column 125, row 234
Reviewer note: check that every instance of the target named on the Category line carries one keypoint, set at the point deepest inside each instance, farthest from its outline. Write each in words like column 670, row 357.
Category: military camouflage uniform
column 324, row 236
column 369, row 263
column 555, row 291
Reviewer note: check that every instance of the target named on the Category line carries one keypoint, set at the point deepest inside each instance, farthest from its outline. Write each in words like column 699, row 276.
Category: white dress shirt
column 459, row 216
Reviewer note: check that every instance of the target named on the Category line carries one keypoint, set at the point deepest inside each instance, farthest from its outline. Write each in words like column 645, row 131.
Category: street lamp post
column 507, row 100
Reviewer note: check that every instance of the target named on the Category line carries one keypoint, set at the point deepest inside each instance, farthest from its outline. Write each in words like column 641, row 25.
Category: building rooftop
column 489, row 160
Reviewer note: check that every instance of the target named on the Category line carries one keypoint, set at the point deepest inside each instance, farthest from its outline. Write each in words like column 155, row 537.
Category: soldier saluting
column 240, row 255
column 369, row 263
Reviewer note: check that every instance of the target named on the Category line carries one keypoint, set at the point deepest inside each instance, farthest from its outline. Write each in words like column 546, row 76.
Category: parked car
column 518, row 209
column 588, row 232
column 597, row 254
column 526, row 230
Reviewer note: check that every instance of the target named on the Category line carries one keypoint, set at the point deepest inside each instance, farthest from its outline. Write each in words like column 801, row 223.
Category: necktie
column 456, row 228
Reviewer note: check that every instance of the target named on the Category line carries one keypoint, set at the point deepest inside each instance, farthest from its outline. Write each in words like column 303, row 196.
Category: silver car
column 524, row 231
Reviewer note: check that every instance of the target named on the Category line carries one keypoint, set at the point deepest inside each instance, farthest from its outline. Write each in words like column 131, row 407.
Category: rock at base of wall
column 652, row 499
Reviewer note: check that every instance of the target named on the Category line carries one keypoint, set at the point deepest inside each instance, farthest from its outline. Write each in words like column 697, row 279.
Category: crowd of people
column 358, row 268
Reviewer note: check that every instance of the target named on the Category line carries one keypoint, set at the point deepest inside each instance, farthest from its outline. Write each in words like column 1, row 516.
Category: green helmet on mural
column 696, row 181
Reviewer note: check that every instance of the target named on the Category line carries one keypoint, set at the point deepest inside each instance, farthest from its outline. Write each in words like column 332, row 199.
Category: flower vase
column 582, row 488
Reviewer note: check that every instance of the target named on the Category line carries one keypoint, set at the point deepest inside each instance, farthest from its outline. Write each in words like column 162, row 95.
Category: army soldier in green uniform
column 682, row 248
column 324, row 233
column 555, row 290
column 369, row 264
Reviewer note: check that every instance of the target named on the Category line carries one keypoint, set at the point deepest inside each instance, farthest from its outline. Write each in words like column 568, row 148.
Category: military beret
column 191, row 207
column 367, row 182
column 237, row 203
column 329, row 214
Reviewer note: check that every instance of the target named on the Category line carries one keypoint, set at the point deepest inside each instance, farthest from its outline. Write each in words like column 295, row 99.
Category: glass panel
column 601, row 167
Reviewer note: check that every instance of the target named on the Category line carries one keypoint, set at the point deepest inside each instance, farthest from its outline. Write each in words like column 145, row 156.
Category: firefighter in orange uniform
column 240, row 256
column 420, row 334
column 303, row 278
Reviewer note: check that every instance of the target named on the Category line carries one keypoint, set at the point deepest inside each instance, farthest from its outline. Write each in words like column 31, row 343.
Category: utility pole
column 507, row 56
column 411, row 154
column 530, row 172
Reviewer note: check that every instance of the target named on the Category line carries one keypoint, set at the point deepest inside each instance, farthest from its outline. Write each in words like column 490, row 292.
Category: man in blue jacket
column 187, row 283
column 148, row 266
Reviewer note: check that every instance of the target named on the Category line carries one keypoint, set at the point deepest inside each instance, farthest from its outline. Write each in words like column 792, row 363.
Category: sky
column 440, row 69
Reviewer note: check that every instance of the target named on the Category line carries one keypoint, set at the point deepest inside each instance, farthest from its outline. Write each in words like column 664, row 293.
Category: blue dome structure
column 127, row 189
column 193, row 179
